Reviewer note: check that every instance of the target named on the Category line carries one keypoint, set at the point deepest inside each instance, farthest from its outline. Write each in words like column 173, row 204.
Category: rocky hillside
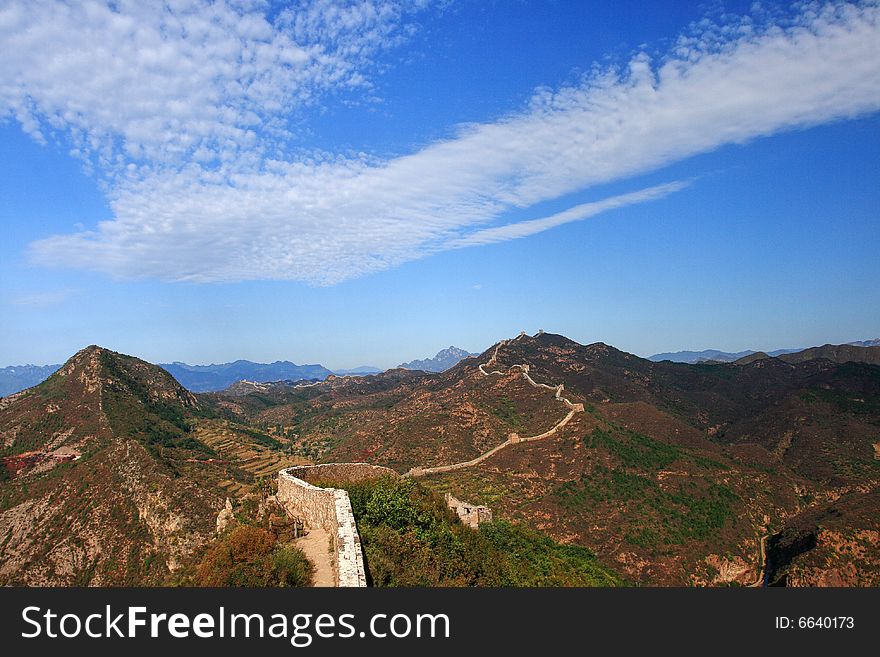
column 842, row 353
column 97, row 486
column 672, row 473
column 831, row 543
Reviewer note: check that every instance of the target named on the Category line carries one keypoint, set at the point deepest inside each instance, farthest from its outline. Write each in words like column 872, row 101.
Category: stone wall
column 470, row 514
column 330, row 508
column 315, row 506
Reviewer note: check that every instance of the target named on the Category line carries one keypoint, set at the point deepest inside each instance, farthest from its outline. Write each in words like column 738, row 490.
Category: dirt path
column 513, row 439
column 316, row 546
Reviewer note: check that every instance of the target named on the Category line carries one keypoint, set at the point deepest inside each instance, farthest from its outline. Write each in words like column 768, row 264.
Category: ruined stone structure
column 330, row 509
column 470, row 514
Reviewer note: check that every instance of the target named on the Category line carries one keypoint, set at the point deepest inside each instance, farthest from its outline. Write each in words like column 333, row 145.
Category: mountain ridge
column 104, row 446
column 15, row 378
column 441, row 361
column 219, row 376
column 210, row 378
column 718, row 355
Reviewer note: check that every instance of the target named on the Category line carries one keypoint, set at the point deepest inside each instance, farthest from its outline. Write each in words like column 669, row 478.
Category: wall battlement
column 330, row 509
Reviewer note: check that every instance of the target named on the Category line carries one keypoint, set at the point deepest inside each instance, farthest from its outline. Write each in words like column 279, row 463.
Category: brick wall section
column 315, row 506
column 330, row 508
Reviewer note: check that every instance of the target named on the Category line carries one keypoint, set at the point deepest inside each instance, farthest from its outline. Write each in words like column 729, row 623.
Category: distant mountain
column 782, row 352
column 19, row 377
column 197, row 378
column 838, row 353
column 718, row 356
column 363, row 370
column 212, row 378
column 692, row 357
column 866, row 343
column 444, row 359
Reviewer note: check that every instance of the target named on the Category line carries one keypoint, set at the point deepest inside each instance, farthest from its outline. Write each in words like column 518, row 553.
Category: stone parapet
column 330, row 509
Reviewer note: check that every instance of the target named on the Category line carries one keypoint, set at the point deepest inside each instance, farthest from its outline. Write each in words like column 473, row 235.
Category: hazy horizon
column 306, row 361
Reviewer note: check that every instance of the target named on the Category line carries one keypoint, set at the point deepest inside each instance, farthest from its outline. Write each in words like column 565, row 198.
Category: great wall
column 513, row 438
column 329, row 509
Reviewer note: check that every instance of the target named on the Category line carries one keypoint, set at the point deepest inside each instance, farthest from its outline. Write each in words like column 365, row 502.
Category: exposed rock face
column 834, row 544
column 723, row 570
column 225, row 516
column 99, row 492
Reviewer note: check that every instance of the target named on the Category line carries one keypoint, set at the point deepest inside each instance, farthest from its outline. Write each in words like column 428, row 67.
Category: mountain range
column 729, row 357
column 213, row 378
column 669, row 473
column 442, row 361
column 205, row 378
column 19, row 377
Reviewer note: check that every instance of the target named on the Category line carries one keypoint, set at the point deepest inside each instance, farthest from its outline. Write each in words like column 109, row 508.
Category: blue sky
column 368, row 182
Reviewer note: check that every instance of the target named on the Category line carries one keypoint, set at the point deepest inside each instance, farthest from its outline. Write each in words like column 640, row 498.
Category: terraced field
column 259, row 455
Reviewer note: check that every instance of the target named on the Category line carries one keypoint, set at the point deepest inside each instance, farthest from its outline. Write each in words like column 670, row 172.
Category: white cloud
column 326, row 220
column 163, row 83
column 577, row 213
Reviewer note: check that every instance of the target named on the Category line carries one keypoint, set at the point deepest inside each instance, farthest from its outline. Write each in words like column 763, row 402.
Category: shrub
column 249, row 556
column 410, row 538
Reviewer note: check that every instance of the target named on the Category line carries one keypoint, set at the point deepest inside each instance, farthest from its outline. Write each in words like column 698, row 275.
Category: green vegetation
column 847, row 402
column 410, row 538
column 657, row 516
column 535, row 559
column 855, row 389
column 261, row 438
column 250, row 556
column 506, row 412
column 634, row 450
column 663, row 517
column 133, row 411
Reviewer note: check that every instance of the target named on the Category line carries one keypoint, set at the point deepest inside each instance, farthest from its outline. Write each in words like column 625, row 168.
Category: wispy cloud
column 577, row 213
column 43, row 299
column 324, row 219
